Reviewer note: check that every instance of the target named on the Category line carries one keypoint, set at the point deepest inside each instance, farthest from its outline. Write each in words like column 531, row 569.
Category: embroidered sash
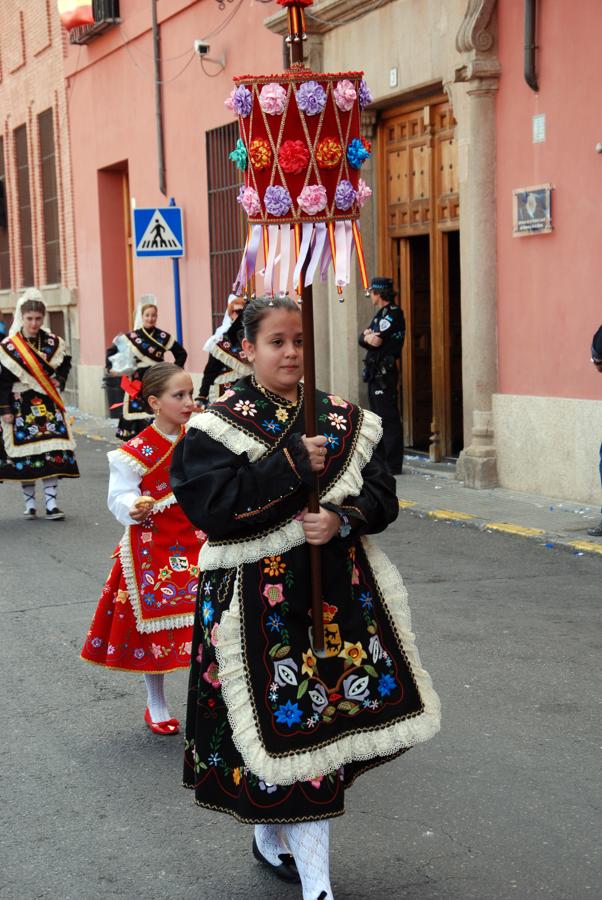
column 37, row 367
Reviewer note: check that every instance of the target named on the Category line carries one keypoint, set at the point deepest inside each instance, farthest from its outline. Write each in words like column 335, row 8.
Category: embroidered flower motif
column 207, row 612
column 316, row 782
column 249, row 200
column 146, row 537
column 277, row 200
column 138, row 653
column 240, row 101
column 147, row 451
column 344, row 195
column 211, row 675
column 313, row 199
column 309, row 663
column 246, row 408
column 312, row 720
column 288, row 714
column 199, row 656
column 272, row 99
column 274, row 622
column 272, row 426
column 274, row 593
column 214, row 759
column 239, row 155
column 356, row 687
column 364, row 94
column 355, row 575
column 337, row 421
column 332, row 441
column 185, row 648
column 260, row 154
column 267, row 787
column 236, row 776
column 358, row 153
column 345, row 95
column 366, row 600
column 355, row 653
column 363, row 193
column 111, row 649
column 375, row 648
column 281, row 414
column 274, row 565
column 318, row 697
column 96, row 642
column 214, row 634
column 328, row 153
column 285, row 672
column 386, row 685
column 311, row 98
column 293, row 157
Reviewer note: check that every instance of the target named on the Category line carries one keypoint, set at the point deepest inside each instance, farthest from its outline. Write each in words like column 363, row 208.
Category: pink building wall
column 549, row 286
column 112, row 119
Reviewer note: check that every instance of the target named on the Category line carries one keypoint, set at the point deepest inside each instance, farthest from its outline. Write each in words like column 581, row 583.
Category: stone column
column 477, row 465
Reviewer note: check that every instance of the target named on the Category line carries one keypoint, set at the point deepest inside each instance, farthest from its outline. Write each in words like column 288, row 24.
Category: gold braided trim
column 362, row 745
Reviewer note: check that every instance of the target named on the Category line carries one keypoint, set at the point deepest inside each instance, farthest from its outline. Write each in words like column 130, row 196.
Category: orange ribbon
column 34, row 366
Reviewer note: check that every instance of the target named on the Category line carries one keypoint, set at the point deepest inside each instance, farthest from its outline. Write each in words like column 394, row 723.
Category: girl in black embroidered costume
column 37, row 444
column 145, row 346
column 227, row 362
column 276, row 733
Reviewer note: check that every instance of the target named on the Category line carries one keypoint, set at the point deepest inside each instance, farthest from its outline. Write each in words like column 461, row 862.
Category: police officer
column 384, row 340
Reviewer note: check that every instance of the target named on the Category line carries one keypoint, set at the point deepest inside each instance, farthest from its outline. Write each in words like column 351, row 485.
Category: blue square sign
column 159, row 231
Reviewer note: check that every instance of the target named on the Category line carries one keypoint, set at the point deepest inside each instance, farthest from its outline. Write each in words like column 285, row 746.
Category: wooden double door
column 419, row 244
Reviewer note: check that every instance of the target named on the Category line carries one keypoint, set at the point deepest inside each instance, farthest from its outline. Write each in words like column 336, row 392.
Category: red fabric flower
column 328, row 153
column 293, row 157
column 367, row 144
column 260, row 154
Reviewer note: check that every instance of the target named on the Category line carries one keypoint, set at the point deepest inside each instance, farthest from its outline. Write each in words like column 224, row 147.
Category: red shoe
column 170, row 726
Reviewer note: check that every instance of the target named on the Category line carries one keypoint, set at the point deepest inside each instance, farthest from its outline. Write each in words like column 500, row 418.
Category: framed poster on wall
column 532, row 210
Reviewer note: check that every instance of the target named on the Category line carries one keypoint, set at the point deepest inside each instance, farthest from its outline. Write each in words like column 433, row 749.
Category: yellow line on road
column 587, row 546
column 450, row 514
column 514, row 529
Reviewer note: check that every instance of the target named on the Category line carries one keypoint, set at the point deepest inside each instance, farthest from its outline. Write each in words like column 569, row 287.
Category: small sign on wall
column 532, row 210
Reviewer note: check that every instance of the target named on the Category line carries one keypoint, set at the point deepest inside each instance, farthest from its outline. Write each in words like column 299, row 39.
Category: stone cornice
column 475, row 40
column 325, row 15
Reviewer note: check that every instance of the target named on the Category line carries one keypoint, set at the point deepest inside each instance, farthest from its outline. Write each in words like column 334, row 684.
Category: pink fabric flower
column 274, row 593
column 214, row 634
column 312, row 199
column 199, row 656
column 249, row 200
column 210, row 675
column 363, row 193
column 345, row 95
column 316, row 782
column 272, row 98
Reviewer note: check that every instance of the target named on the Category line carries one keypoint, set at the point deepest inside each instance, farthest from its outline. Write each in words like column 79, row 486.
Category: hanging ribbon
column 285, row 256
column 349, row 248
column 306, row 232
column 340, row 266
column 326, row 260
column 297, row 283
column 318, row 250
column 268, row 280
column 360, row 253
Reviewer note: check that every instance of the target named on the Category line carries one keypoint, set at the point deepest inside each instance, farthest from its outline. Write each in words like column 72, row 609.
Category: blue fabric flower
column 274, row 622
column 366, row 600
column 239, row 155
column 271, row 425
column 357, row 154
column 207, row 612
column 386, row 685
column 288, row 714
column 332, row 441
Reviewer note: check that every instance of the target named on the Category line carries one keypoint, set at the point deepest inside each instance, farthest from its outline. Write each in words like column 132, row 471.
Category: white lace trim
column 236, row 365
column 144, row 626
column 278, row 541
column 365, row 745
column 226, row 434
column 131, row 461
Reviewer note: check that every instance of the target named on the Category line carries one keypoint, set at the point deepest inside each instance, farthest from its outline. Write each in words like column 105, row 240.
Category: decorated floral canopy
column 301, row 152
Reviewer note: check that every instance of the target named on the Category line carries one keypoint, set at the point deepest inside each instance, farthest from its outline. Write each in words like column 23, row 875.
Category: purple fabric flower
column 240, row 100
column 277, row 200
column 364, row 94
column 311, row 98
column 357, row 153
column 344, row 195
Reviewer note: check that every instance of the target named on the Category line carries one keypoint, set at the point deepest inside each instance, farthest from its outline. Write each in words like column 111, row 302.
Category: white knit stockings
column 156, row 702
column 270, row 842
column 309, row 844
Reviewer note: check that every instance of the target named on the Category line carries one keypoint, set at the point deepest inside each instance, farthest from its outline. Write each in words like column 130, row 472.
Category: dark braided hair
column 258, row 308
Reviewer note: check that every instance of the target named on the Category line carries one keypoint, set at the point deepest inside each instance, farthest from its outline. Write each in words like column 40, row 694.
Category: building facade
column 37, row 235
column 115, row 120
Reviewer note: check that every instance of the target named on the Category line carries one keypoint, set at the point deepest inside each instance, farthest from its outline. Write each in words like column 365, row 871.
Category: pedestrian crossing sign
column 159, row 232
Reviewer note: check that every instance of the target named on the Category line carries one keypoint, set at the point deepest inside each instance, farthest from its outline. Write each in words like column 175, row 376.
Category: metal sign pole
column 175, row 263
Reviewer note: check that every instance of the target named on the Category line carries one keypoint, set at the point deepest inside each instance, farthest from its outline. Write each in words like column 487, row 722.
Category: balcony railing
column 106, row 15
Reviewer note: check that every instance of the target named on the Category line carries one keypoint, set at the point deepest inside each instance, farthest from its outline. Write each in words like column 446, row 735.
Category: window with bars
column 24, row 205
column 50, row 202
column 4, row 251
column 226, row 226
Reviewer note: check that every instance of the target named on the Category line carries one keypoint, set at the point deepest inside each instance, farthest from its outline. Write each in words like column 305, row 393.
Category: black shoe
column 55, row 513
column 287, row 870
column 322, row 895
column 596, row 531
column 30, row 514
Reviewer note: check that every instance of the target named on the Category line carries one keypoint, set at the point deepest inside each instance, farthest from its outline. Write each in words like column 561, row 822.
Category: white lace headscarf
column 220, row 332
column 30, row 294
column 145, row 300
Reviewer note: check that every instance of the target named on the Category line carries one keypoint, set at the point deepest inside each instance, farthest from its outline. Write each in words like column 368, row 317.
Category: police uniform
column 380, row 372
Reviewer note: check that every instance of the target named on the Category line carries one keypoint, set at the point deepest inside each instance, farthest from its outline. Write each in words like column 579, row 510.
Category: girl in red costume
column 143, row 622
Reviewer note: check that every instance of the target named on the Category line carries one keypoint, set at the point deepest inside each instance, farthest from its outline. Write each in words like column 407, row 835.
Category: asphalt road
column 504, row 803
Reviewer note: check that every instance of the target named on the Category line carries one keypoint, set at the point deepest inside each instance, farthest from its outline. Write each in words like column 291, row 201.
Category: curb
column 547, row 539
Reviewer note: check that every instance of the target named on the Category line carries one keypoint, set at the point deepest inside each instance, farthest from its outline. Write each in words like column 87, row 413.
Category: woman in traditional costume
column 143, row 347
column 275, row 731
column 227, row 362
column 143, row 622
column 37, row 444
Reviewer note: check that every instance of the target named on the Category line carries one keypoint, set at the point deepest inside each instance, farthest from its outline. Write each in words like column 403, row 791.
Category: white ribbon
column 340, row 242
column 268, row 279
column 306, row 231
column 349, row 240
column 285, row 256
column 319, row 241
